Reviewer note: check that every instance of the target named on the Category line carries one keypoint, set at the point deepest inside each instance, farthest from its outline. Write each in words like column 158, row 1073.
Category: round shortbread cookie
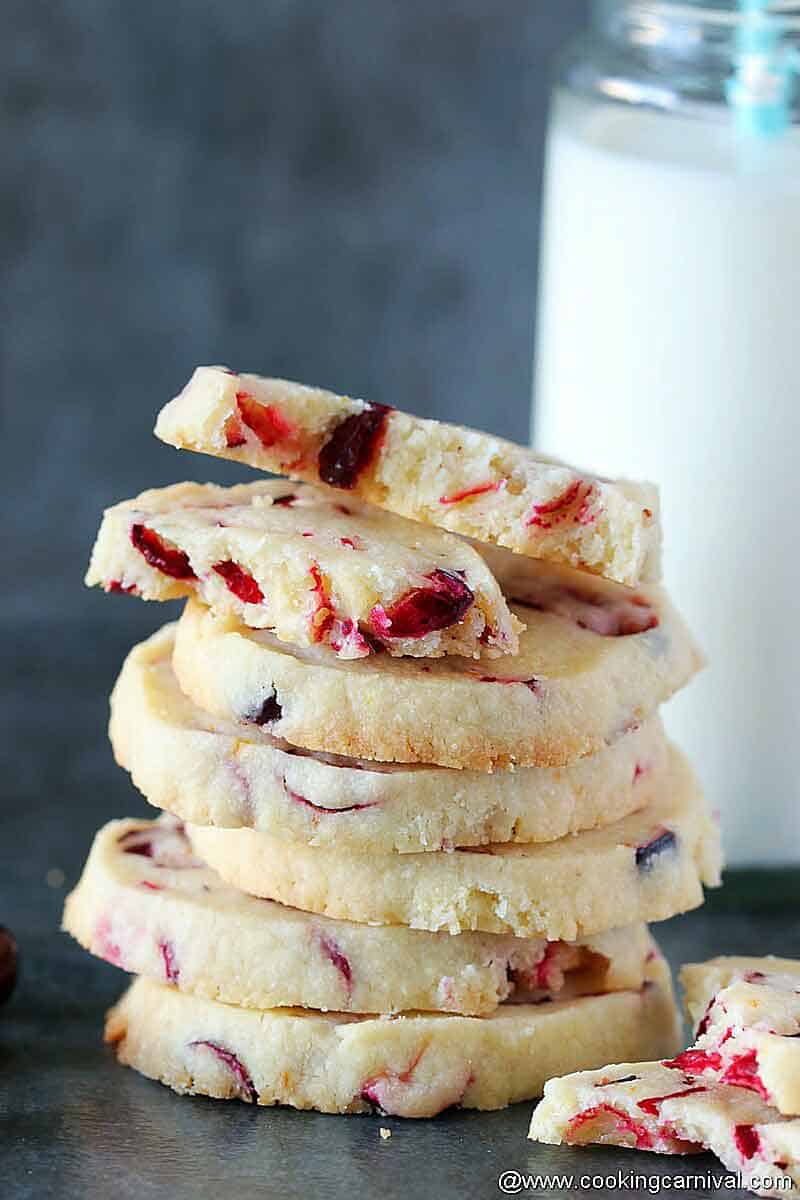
column 208, row 771
column 570, row 690
column 146, row 904
column 308, row 567
column 646, row 867
column 407, row 1066
column 460, row 479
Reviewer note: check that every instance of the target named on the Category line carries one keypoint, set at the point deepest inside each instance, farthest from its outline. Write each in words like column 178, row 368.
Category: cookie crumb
column 385, row 1133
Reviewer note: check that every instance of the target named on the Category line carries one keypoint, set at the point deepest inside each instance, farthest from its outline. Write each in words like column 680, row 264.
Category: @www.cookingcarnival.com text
column 520, row 1183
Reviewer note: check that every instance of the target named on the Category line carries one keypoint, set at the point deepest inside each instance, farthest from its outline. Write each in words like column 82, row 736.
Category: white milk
column 668, row 348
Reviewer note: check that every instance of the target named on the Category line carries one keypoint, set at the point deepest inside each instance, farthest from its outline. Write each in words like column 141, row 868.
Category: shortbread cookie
column 570, row 690
column 408, row 1066
column 747, row 1012
column 308, row 567
column 145, row 903
column 208, row 771
column 647, row 867
column 459, row 479
column 650, row 1106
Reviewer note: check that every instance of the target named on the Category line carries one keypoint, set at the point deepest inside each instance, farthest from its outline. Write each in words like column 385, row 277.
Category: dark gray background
column 341, row 191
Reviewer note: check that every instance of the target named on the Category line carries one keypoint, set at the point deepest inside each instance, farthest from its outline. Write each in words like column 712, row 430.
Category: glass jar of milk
column 668, row 347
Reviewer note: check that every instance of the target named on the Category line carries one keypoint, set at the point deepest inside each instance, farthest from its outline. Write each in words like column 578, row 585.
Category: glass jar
column 668, row 340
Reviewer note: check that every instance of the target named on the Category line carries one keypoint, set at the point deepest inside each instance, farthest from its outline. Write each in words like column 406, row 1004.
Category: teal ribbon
column 761, row 88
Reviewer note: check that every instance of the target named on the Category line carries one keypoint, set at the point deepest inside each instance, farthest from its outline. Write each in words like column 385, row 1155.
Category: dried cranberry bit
column 742, row 1071
column 372, row 1088
column 235, row 1066
column 345, row 635
column 425, row 610
column 334, row 954
column 755, row 977
column 648, row 854
column 9, row 957
column 137, row 841
column 694, row 1062
column 171, row 970
column 747, row 1141
column 352, row 446
column 534, row 685
column 467, row 493
column 116, row 585
column 167, row 559
column 624, row 1079
column 705, row 1020
column 234, row 434
column 573, row 504
column 238, row 581
column 652, row 1104
column 271, row 710
column 284, row 501
column 320, row 808
column 622, row 1123
column 151, row 887
column 267, row 422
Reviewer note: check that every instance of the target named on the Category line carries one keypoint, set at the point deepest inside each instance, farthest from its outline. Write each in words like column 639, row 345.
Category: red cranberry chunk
column 171, row 969
column 648, row 854
column 8, row 963
column 743, row 1072
column 270, row 711
column 747, row 1140
column 238, row 581
column 137, row 841
column 236, row 1067
column 653, row 1104
column 352, row 446
column 694, row 1062
column 425, row 610
column 617, row 1119
column 167, row 559
column 332, row 951
column 266, row 422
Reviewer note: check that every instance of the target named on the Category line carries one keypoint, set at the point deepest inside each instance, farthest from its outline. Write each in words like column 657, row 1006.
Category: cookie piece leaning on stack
column 419, row 806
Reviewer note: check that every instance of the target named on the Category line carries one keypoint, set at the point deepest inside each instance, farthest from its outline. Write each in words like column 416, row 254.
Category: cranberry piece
column 705, row 1020
column 271, row 710
column 742, row 1072
column 284, row 501
column 755, row 977
column 647, row 854
column 298, row 799
column 746, row 1140
column 352, row 446
column 653, row 1103
column 234, row 434
column 695, row 1061
column 479, row 490
column 332, row 951
column 137, row 841
column 115, row 585
column 167, row 559
column 171, row 969
column 266, row 422
column 425, row 610
column 624, row 1079
column 8, row 963
column 239, row 582
column 573, row 503
column 622, row 1123
column 236, row 1067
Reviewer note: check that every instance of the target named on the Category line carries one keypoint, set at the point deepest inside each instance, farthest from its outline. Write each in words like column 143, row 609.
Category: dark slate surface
column 76, row 1126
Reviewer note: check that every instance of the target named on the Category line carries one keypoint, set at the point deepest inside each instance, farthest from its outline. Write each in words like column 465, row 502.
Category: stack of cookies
column 418, row 803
